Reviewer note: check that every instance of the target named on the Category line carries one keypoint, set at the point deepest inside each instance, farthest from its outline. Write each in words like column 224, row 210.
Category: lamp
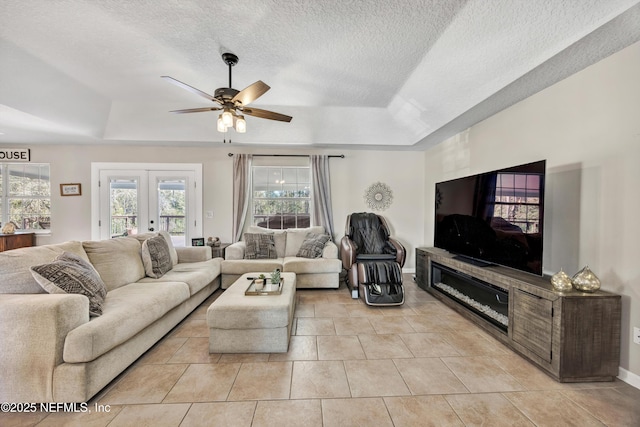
column 221, row 126
column 241, row 125
column 227, row 118
column 237, row 121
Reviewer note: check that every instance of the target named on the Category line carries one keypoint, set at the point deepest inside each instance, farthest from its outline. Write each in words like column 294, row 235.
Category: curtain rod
column 289, row 155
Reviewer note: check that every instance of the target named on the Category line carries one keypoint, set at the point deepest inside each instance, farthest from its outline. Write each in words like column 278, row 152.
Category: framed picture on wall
column 197, row 242
column 70, row 190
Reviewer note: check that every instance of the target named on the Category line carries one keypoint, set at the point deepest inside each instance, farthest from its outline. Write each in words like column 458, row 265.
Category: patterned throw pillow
column 259, row 246
column 70, row 274
column 156, row 257
column 313, row 245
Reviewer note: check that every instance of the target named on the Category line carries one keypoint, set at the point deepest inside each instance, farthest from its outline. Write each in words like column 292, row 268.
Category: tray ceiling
column 404, row 74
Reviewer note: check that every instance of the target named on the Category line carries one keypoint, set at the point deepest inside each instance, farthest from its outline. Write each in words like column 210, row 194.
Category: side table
column 218, row 251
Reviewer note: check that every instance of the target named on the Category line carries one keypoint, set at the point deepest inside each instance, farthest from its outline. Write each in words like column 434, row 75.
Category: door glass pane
column 123, row 211
column 172, row 208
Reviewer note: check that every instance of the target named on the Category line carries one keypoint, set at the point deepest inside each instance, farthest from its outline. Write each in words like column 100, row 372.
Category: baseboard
column 629, row 377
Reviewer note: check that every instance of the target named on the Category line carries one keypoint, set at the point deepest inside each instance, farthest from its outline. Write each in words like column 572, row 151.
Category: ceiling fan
column 233, row 103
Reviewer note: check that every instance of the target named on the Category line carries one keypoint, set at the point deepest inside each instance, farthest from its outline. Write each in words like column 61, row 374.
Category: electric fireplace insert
column 486, row 300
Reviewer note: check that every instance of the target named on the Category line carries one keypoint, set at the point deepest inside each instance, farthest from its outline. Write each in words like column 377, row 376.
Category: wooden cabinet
column 17, row 240
column 533, row 323
column 573, row 336
column 422, row 269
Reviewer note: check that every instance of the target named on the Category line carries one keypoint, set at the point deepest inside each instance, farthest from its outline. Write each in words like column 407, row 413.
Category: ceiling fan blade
column 196, row 110
column 189, row 88
column 264, row 114
column 251, row 92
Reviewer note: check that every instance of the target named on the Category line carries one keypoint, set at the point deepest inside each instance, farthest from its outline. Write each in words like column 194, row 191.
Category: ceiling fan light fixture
column 241, row 125
column 232, row 101
column 221, row 125
column 227, row 117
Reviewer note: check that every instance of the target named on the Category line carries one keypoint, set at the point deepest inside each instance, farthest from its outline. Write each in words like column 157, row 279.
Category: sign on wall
column 15, row 154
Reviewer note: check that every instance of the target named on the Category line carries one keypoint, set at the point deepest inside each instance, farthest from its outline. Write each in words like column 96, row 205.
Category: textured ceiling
column 403, row 74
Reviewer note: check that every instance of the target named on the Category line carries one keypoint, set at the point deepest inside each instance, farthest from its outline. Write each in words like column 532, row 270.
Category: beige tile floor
column 348, row 365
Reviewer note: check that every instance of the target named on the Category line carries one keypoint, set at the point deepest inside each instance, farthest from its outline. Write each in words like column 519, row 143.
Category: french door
column 133, row 201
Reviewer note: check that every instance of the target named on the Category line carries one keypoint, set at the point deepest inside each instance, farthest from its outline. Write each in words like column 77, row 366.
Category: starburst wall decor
column 378, row 196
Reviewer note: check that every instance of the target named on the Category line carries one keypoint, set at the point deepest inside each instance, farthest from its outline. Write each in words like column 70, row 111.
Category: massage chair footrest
column 385, row 294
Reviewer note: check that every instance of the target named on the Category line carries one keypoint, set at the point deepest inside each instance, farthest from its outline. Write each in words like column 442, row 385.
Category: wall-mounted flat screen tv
column 495, row 217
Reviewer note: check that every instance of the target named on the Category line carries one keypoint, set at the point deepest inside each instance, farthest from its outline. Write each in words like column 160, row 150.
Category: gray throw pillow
column 156, row 257
column 313, row 245
column 70, row 274
column 259, row 246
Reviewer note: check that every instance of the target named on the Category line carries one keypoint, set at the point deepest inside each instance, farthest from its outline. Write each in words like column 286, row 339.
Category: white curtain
column 241, row 192
column 321, row 183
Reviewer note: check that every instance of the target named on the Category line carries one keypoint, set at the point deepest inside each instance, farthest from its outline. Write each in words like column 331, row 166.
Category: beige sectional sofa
column 321, row 272
column 52, row 351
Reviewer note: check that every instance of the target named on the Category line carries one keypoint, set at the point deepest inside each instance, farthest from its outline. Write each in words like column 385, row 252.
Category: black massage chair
column 373, row 260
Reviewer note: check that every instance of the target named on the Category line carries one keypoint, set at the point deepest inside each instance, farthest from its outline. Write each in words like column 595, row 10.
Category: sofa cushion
column 155, row 257
column 242, row 266
column 118, row 260
column 70, row 274
column 14, row 266
column 127, row 311
column 300, row 265
column 259, row 246
column 196, row 275
column 172, row 250
column 279, row 237
column 313, row 245
column 295, row 237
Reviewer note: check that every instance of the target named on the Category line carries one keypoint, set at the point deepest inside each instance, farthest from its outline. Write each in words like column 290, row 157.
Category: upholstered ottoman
column 240, row 323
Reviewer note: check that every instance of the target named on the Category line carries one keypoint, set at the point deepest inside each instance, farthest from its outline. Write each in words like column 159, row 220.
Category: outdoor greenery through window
column 124, row 206
column 124, row 194
column 172, row 206
column 281, row 196
column 518, row 200
column 25, row 191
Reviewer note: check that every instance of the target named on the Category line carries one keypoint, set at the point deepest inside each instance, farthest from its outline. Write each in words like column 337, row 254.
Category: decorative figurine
column 585, row 280
column 9, row 228
column 561, row 282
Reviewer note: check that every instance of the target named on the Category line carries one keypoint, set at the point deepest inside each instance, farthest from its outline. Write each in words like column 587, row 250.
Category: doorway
column 139, row 198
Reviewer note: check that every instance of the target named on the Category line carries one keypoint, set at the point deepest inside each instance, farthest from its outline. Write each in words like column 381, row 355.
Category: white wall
column 401, row 171
column 588, row 129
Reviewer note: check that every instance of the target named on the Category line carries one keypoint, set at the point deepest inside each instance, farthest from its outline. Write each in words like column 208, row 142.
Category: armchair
column 373, row 260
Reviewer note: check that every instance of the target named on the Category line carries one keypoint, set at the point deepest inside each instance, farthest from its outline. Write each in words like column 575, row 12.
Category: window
column 281, row 196
column 518, row 200
column 25, row 193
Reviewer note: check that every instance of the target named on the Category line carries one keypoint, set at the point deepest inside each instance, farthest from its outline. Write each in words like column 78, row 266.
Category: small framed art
column 197, row 242
column 70, row 189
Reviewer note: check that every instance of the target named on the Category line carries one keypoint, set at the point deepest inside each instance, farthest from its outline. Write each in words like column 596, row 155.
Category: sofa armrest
column 330, row 250
column 235, row 251
column 193, row 254
column 33, row 328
